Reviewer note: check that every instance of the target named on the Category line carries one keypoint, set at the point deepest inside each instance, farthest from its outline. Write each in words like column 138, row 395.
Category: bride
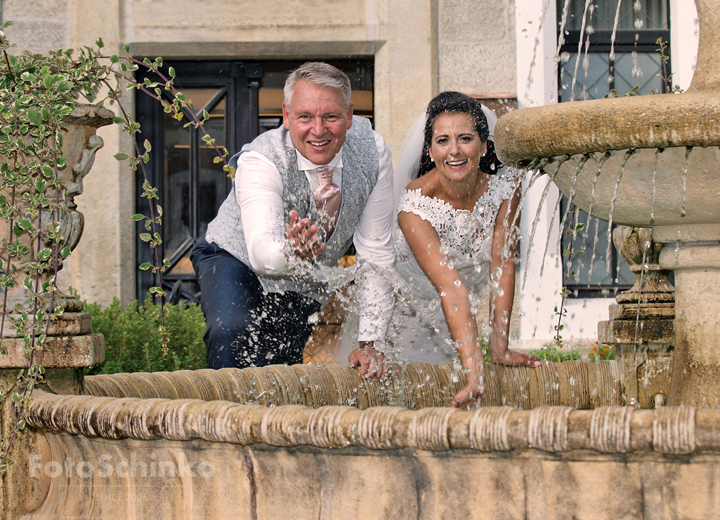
column 457, row 220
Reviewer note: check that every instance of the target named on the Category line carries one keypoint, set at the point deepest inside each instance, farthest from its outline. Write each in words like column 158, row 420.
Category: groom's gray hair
column 320, row 75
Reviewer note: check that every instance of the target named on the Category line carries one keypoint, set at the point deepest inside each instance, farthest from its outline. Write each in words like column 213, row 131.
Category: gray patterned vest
column 360, row 173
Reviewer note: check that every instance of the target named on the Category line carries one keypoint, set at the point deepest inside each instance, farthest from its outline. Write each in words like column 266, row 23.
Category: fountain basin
column 214, row 458
column 575, row 136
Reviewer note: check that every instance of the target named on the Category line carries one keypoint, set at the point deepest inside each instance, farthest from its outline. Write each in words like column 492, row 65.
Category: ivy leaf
column 44, row 255
column 171, row 72
column 45, row 114
column 65, row 252
column 147, row 145
column 35, row 117
column 137, row 217
column 145, row 237
column 118, row 120
column 24, row 223
column 40, row 185
column 64, row 86
column 121, row 156
column 145, row 266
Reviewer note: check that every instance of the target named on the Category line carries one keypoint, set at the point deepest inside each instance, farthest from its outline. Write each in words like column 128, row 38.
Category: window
column 243, row 100
column 591, row 65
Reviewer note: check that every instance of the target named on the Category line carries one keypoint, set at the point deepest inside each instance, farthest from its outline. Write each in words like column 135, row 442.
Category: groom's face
column 317, row 121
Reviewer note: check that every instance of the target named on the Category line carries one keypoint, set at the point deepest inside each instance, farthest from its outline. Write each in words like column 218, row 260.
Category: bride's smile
column 456, row 147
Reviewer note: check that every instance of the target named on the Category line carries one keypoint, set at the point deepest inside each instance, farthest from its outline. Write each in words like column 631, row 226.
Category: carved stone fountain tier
column 174, row 450
column 648, row 137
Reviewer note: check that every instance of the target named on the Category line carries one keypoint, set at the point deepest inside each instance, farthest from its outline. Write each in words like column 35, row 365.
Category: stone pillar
column 695, row 258
column 641, row 325
column 70, row 346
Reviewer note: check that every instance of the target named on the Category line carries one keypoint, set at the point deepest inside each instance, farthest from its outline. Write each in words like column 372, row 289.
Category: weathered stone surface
column 59, row 352
column 67, row 324
column 572, row 383
column 637, row 332
column 633, row 311
column 556, row 462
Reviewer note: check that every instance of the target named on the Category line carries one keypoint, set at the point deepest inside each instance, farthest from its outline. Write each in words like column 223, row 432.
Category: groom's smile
column 317, row 120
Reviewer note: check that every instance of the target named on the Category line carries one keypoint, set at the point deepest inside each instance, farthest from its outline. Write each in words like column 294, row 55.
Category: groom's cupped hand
column 302, row 238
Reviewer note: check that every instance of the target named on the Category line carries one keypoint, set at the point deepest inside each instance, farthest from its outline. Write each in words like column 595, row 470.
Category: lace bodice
column 465, row 235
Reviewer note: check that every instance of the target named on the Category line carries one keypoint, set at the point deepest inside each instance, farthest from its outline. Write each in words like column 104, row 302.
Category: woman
column 457, row 221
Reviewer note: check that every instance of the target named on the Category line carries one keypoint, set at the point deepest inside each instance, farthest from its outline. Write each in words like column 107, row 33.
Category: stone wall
column 400, row 34
column 476, row 46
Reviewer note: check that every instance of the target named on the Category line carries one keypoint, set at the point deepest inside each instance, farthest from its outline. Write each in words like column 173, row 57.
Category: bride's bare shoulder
column 424, row 184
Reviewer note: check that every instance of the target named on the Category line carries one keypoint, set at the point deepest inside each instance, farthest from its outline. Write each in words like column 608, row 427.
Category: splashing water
column 628, row 154
column 688, row 150
column 654, row 184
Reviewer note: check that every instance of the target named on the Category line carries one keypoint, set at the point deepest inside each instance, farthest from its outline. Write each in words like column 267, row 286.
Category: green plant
column 133, row 339
column 37, row 93
column 549, row 353
column 601, row 352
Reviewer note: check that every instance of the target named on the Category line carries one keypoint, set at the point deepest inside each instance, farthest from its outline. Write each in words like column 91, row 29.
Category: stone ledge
column 68, row 324
column 653, row 311
column 670, row 430
column 60, row 352
column 623, row 332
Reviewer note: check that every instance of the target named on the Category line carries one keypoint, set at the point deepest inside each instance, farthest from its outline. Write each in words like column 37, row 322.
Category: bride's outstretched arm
column 425, row 245
column 502, row 285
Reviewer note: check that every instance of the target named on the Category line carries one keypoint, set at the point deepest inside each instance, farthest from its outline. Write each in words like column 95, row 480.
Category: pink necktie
column 327, row 199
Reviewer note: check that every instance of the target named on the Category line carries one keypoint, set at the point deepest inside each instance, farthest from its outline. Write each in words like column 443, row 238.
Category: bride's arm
column 425, row 245
column 502, row 285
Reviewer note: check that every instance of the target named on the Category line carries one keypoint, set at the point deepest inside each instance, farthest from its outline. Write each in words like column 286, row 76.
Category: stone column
column 641, row 325
column 693, row 252
column 70, row 345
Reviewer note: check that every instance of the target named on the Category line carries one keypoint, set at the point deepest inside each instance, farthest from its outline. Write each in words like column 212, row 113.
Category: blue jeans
column 245, row 325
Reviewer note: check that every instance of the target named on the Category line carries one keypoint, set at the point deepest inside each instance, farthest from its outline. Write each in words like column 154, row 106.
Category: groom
column 302, row 194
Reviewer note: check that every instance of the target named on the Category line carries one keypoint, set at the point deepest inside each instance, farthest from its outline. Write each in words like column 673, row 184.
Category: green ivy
column 133, row 339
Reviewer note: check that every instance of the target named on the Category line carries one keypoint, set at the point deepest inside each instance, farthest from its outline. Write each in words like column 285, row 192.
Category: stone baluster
column 642, row 323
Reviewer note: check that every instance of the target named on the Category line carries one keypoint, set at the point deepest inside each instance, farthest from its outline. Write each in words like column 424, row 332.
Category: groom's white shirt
column 258, row 189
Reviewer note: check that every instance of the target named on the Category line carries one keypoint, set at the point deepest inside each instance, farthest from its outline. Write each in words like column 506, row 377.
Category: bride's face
column 456, row 147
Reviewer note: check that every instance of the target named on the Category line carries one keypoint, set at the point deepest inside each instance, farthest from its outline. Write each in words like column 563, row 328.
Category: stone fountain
column 650, row 161
column 318, row 442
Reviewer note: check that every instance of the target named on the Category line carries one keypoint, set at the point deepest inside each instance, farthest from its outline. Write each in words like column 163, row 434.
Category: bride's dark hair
column 456, row 102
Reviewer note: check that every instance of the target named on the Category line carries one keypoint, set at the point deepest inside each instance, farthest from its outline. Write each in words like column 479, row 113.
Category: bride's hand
column 372, row 363
column 515, row 359
column 471, row 394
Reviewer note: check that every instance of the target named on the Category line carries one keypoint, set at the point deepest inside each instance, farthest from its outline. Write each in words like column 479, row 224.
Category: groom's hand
column 372, row 363
column 302, row 238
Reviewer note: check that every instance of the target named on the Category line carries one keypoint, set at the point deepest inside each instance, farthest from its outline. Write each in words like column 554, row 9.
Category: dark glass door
column 191, row 185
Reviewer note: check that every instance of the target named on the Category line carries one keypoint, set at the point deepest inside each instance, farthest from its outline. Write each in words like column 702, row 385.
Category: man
column 302, row 194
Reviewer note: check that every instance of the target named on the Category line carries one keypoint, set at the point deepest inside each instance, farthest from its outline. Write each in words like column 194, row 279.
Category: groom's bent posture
column 302, row 194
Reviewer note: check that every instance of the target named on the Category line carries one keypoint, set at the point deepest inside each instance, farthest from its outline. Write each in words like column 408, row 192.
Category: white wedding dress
column 419, row 331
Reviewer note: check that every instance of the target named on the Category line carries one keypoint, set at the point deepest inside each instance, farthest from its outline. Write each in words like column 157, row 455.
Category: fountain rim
column 678, row 430
column 580, row 127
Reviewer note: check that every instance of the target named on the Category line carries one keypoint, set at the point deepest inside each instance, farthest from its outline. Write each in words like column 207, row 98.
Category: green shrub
column 551, row 353
column 132, row 337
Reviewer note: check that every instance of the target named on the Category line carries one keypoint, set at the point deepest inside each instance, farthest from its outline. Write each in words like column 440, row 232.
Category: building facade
column 399, row 54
